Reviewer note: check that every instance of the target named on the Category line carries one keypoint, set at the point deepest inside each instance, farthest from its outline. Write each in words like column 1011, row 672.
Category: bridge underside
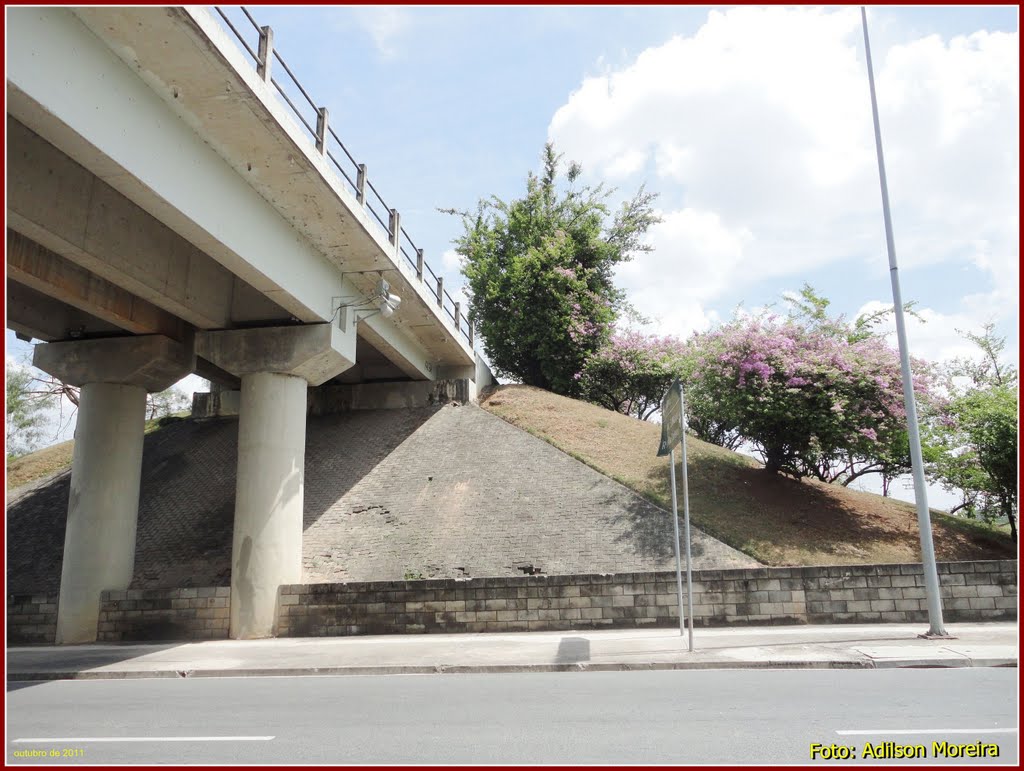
column 163, row 219
column 85, row 262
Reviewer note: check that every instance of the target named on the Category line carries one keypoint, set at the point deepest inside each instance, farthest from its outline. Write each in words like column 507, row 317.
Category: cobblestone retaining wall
column 31, row 618
column 165, row 614
column 971, row 591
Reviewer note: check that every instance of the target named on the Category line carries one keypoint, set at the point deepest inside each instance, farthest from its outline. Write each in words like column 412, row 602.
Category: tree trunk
column 1007, row 507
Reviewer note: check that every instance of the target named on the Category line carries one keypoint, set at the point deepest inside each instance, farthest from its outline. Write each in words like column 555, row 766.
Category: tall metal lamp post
column 931, row 577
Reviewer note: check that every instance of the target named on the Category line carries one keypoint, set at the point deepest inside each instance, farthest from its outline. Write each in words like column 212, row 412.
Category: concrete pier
column 276, row 365
column 99, row 542
column 267, row 540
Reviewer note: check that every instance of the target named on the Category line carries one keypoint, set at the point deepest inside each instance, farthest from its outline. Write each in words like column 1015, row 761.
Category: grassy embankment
column 778, row 521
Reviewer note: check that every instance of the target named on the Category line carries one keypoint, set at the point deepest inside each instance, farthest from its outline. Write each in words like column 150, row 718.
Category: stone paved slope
column 438, row 492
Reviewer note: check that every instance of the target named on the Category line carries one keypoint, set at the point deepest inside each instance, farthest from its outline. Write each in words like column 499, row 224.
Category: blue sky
column 753, row 125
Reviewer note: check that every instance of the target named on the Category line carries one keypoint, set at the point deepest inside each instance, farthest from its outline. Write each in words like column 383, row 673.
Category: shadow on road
column 47, row 660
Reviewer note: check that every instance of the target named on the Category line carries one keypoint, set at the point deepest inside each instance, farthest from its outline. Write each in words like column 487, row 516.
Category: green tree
column 539, row 273
column 26, row 411
column 977, row 436
column 165, row 403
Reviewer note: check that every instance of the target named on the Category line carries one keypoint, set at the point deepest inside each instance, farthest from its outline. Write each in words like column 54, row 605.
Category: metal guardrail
column 266, row 58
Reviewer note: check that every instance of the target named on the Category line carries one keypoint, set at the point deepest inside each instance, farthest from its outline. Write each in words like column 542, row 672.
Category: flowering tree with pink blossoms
column 820, row 400
column 631, row 372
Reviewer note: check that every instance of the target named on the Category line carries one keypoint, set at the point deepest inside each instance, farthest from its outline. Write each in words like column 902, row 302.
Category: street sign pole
column 673, row 425
column 675, row 527
column 686, row 519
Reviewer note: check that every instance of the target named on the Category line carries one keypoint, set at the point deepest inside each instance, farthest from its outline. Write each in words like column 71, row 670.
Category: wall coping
column 805, row 571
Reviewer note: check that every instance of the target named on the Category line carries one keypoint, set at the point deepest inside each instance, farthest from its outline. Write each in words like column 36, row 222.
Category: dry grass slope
column 57, row 457
column 778, row 521
column 39, row 464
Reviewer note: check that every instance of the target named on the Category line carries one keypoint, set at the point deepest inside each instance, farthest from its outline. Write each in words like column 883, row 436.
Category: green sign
column 671, row 419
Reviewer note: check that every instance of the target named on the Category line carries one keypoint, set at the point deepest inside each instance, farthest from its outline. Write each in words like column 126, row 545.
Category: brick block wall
column 31, row 618
column 971, row 591
column 165, row 614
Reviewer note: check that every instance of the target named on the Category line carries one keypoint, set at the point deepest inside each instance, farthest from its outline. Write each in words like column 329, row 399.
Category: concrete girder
column 152, row 362
column 34, row 314
column 313, row 352
column 405, row 353
column 56, row 202
column 219, row 379
column 39, row 268
column 53, row 59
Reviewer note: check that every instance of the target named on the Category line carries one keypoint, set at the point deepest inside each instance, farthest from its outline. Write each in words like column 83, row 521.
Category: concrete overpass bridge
column 170, row 210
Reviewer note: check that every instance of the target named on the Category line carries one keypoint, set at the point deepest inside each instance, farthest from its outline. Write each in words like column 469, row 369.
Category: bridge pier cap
column 313, row 352
column 152, row 362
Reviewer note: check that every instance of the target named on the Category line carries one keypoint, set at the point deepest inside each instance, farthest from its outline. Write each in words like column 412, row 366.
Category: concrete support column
column 267, row 543
column 106, row 468
column 275, row 364
column 99, row 543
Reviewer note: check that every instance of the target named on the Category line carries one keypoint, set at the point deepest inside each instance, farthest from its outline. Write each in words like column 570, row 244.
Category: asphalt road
column 673, row 717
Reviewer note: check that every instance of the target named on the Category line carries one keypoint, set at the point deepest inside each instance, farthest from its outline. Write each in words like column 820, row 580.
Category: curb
column 506, row 668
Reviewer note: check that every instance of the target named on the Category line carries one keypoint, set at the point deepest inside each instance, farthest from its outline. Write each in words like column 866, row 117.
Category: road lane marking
column 914, row 731
column 60, row 740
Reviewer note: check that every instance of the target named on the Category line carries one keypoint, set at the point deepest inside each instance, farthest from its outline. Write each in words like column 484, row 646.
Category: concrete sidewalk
column 816, row 647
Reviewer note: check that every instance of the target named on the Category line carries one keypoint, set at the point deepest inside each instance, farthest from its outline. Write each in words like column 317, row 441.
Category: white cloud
column 932, row 335
column 451, row 261
column 627, row 164
column 759, row 129
column 695, row 258
column 386, row 25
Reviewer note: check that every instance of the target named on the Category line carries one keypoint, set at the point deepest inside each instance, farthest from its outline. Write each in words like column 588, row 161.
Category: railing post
column 361, row 185
column 266, row 53
column 419, row 264
column 440, row 292
column 458, row 314
column 321, row 130
column 472, row 335
column 395, row 229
